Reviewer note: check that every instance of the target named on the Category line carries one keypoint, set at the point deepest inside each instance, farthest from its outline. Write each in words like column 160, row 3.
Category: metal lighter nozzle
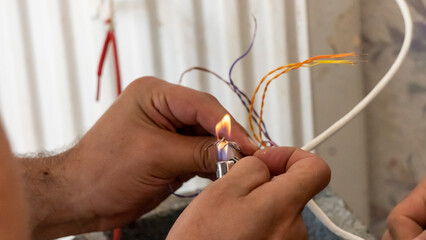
column 223, row 167
column 227, row 156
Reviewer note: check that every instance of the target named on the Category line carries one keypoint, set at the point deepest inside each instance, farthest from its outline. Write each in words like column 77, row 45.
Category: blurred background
column 50, row 51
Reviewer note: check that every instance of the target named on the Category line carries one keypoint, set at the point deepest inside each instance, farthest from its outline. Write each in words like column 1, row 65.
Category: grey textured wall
column 336, row 89
column 396, row 121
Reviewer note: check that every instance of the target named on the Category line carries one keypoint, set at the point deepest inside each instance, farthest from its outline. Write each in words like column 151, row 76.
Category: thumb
column 189, row 154
column 197, row 154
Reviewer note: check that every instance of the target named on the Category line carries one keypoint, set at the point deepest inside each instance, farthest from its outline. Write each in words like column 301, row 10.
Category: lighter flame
column 224, row 126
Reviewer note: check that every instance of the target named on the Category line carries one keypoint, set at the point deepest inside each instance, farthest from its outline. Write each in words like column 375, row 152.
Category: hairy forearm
column 52, row 187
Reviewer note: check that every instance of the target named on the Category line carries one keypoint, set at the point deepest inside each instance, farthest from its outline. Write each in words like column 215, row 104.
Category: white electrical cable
column 356, row 110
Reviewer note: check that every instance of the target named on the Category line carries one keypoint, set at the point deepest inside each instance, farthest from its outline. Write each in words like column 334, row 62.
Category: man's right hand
column 247, row 204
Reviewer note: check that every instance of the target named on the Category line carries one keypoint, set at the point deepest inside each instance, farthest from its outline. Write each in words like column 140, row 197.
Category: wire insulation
column 378, row 88
column 292, row 66
column 315, row 209
column 338, row 124
column 241, row 95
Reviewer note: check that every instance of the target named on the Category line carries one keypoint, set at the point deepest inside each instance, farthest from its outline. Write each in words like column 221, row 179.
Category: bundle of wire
column 256, row 119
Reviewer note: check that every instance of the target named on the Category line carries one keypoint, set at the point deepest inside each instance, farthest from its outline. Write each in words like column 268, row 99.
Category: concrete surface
column 396, row 120
column 156, row 224
column 335, row 28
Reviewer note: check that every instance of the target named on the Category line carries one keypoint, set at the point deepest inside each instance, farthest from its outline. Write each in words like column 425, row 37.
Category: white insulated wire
column 377, row 89
column 323, row 218
column 356, row 110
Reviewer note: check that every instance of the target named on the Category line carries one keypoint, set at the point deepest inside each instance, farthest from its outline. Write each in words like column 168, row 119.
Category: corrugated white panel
column 51, row 49
column 19, row 103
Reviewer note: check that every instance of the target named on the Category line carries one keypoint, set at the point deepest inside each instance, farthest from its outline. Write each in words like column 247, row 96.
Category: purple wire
column 234, row 89
column 182, row 196
column 241, row 94
column 244, row 54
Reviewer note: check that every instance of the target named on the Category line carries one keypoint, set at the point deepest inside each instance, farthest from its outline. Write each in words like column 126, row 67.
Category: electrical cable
column 241, row 95
column 110, row 38
column 315, row 209
column 379, row 86
column 292, row 66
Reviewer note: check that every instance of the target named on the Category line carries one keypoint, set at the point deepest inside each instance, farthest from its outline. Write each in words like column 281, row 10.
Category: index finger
column 302, row 176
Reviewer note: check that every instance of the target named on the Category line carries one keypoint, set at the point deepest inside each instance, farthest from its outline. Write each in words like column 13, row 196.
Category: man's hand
column 408, row 219
column 247, row 204
column 154, row 135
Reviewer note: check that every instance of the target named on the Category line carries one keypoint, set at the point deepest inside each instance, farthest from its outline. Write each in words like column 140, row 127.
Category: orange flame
column 223, row 130
column 224, row 126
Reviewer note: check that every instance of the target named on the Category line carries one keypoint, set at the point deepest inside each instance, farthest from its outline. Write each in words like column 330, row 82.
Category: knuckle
column 142, row 83
column 257, row 168
column 324, row 169
column 216, row 189
column 321, row 174
column 208, row 97
column 393, row 220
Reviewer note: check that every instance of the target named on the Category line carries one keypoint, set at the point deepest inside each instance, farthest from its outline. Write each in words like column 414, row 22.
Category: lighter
column 229, row 153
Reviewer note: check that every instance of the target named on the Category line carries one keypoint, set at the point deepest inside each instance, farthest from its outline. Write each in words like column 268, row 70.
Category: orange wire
column 252, row 101
column 286, row 68
column 263, row 100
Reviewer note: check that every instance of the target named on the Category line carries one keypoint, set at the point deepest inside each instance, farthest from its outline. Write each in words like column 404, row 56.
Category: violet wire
column 235, row 90
column 204, row 70
column 239, row 94
column 244, row 54
column 182, row 196
column 242, row 94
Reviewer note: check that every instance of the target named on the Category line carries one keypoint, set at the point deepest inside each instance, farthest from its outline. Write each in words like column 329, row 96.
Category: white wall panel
column 50, row 51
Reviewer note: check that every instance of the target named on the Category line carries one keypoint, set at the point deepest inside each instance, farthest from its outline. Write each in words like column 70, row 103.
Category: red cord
column 117, row 65
column 101, row 63
column 116, row 234
column 110, row 37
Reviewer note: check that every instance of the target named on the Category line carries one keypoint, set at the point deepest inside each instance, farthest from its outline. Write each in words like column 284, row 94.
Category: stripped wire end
column 311, row 62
